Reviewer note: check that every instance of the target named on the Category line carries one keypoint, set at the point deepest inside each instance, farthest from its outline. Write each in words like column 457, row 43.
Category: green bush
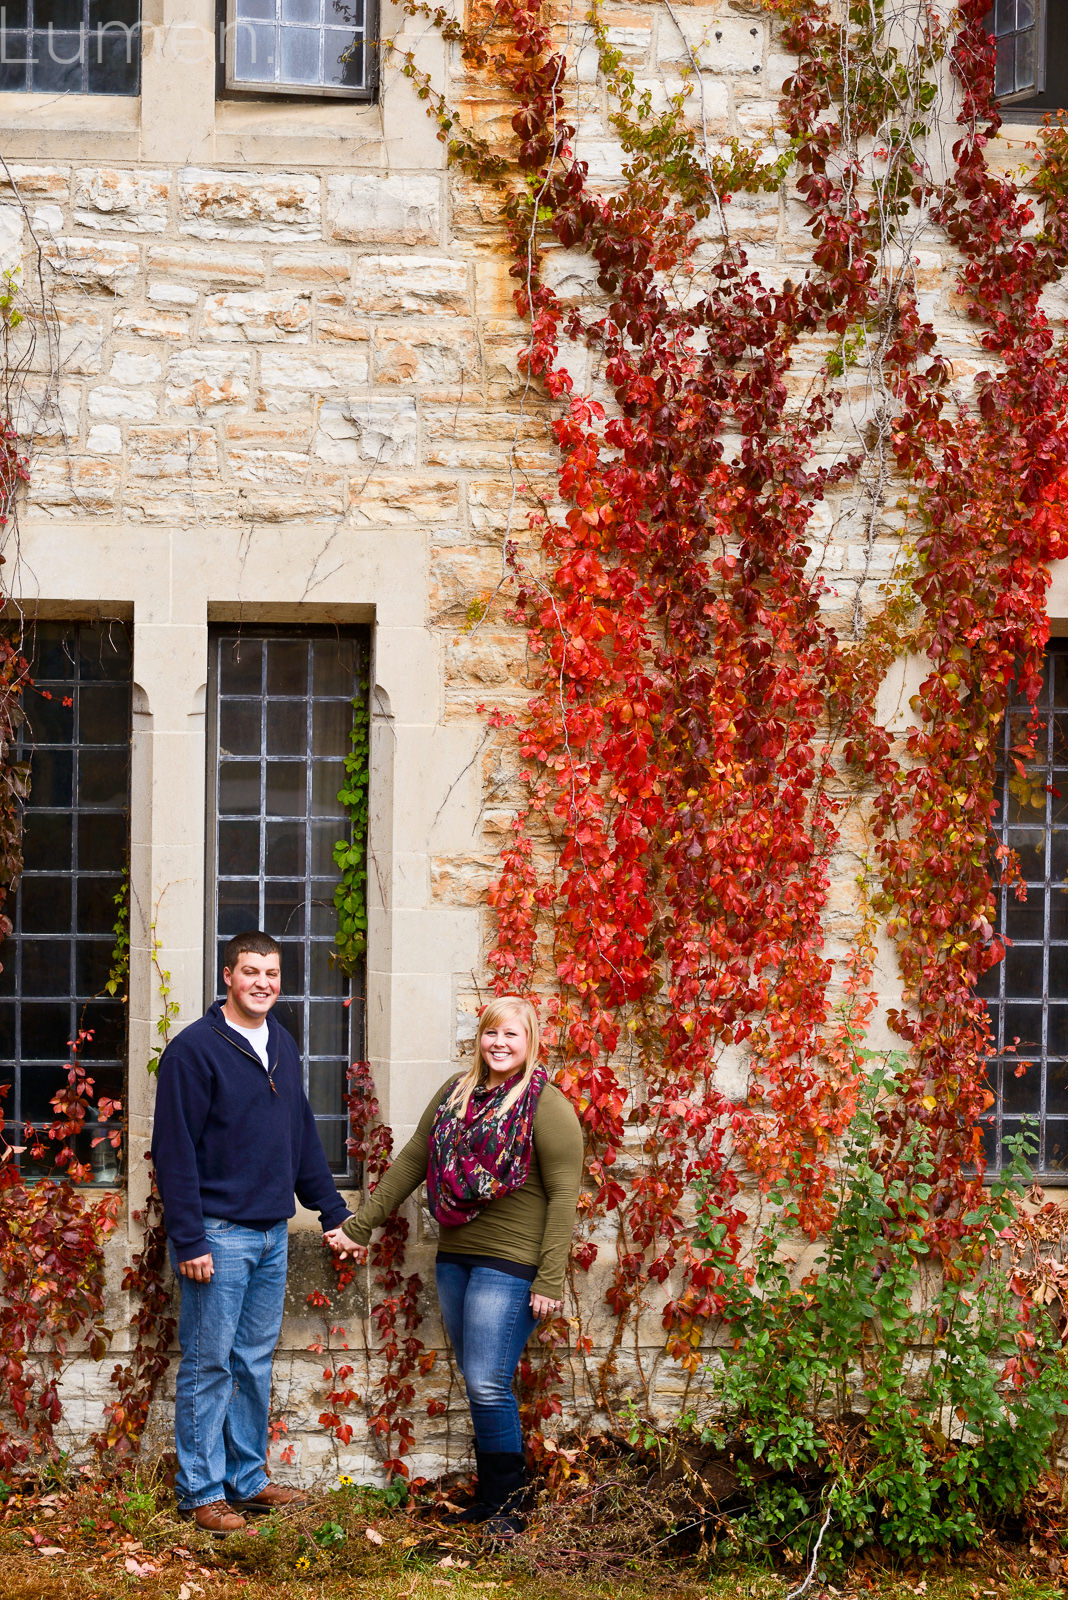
column 878, row 1381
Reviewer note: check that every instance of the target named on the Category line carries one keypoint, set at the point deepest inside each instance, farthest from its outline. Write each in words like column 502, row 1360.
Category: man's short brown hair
column 255, row 942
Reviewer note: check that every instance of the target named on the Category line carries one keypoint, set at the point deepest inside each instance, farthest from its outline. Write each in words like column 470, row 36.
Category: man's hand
column 200, row 1268
column 338, row 1240
column 542, row 1306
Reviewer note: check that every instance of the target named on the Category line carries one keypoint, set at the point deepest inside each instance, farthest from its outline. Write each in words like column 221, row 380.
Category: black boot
column 502, row 1478
column 478, row 1510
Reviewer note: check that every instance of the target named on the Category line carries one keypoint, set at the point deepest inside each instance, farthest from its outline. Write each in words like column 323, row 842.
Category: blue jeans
column 488, row 1319
column 227, row 1330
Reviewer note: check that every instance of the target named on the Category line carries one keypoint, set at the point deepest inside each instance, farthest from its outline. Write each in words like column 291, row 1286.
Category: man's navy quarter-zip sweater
column 232, row 1140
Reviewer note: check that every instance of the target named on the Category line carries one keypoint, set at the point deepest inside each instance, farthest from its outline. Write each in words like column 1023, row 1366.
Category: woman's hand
column 343, row 1245
column 542, row 1306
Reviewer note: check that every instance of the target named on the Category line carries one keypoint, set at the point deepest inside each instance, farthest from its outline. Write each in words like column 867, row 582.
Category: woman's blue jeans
column 227, row 1330
column 488, row 1319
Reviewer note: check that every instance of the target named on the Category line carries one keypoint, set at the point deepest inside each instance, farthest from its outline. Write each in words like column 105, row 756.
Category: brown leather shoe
column 217, row 1517
column 272, row 1497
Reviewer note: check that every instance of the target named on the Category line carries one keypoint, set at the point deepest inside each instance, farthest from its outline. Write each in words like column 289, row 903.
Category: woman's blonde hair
column 506, row 1005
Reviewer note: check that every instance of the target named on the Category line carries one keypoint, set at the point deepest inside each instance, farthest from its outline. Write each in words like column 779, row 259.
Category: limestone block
column 99, row 265
column 104, row 440
column 460, row 575
column 322, row 504
column 399, row 285
column 295, row 382
column 173, row 452
column 74, row 486
column 378, row 431
column 343, row 332
column 206, row 266
column 163, row 293
column 109, row 404
column 381, row 501
column 486, row 660
column 129, row 367
column 394, row 209
column 475, row 212
column 69, row 342
column 207, row 381
column 417, row 354
column 121, row 201
column 259, row 452
column 720, row 42
column 630, row 31
column 313, row 267
column 48, row 183
column 47, row 219
column 12, row 229
column 462, row 880
column 154, row 325
column 247, row 205
column 487, row 440
column 46, row 410
column 258, row 317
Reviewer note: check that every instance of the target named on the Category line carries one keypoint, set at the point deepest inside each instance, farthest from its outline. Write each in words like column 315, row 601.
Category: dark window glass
column 71, row 46
column 75, row 845
column 1031, row 69
column 280, row 719
column 1027, row 992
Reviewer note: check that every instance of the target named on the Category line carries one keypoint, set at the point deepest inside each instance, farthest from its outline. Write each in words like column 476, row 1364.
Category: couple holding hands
column 234, row 1140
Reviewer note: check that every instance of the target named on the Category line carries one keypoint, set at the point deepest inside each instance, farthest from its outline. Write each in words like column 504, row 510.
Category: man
column 234, row 1139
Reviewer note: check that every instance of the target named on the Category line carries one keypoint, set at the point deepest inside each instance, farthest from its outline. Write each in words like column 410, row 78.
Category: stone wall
column 276, row 377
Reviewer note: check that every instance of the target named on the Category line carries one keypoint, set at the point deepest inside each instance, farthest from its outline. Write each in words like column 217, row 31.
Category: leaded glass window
column 281, row 710
column 317, row 47
column 76, row 830
column 71, row 46
column 1027, row 992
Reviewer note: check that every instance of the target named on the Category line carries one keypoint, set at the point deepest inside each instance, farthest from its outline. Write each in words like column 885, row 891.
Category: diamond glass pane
column 281, row 715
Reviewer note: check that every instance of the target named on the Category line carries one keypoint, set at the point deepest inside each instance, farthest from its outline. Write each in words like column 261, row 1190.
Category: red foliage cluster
column 51, row 1272
column 669, row 873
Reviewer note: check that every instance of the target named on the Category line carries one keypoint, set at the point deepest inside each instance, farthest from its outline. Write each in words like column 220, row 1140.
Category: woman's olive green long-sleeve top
column 531, row 1225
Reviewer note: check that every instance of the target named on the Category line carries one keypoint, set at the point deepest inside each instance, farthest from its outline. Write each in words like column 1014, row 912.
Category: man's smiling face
column 252, row 987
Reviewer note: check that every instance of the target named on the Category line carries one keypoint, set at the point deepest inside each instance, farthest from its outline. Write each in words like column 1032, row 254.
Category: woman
column 500, row 1149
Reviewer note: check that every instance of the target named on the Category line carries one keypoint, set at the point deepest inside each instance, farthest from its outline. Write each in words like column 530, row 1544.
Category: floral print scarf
column 486, row 1153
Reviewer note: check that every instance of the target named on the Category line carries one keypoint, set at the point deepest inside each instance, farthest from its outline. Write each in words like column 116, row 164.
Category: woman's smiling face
column 504, row 1047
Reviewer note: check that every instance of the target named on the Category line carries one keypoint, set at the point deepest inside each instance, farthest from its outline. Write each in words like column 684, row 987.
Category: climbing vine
column 704, row 746
column 350, row 855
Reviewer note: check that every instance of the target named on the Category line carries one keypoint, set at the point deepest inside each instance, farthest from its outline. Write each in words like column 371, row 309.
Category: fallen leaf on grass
column 50, row 1550
column 450, row 1561
column 140, row 1569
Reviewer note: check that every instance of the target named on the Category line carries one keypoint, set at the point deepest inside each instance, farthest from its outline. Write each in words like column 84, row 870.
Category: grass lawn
column 81, row 1538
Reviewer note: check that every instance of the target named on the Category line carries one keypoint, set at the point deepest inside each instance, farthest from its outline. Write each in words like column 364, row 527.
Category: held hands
column 343, row 1245
column 200, row 1268
column 544, row 1307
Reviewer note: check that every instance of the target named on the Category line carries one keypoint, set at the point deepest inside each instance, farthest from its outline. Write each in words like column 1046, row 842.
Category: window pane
column 46, row 836
column 255, row 46
column 344, row 59
column 239, row 728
